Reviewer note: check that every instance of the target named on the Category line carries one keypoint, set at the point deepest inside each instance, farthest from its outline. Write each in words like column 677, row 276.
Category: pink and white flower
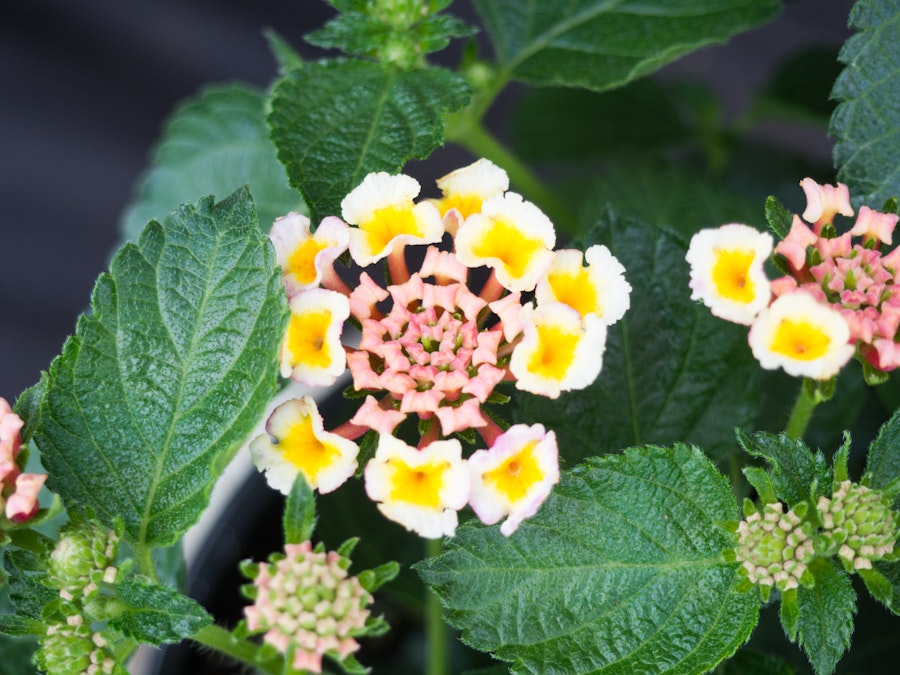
column 514, row 477
column 304, row 256
column 312, row 352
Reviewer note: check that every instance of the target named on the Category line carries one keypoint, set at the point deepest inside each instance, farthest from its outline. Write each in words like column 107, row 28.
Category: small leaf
column 778, row 217
column 866, row 124
column 601, row 45
column 890, row 572
column 789, row 613
column 762, row 483
column 883, row 463
column 160, row 385
column 794, row 467
column 299, row 512
column 213, row 144
column 28, row 406
column 839, row 461
column 826, row 615
column 704, row 387
column 27, row 594
column 288, row 59
column 621, row 562
column 156, row 614
column 879, row 586
column 15, row 625
column 372, row 580
column 335, row 121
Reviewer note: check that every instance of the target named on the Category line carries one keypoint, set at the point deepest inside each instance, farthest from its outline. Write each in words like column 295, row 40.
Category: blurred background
column 86, row 87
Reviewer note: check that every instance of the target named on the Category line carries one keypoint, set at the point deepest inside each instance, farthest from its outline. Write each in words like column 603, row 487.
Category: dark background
column 86, row 85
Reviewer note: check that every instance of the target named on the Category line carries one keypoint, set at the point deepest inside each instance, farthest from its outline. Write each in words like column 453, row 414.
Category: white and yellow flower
column 466, row 189
column 296, row 443
column 727, row 272
column 304, row 255
column 382, row 208
column 515, row 476
column 559, row 350
column 311, row 352
column 599, row 288
column 420, row 489
column 510, row 235
column 802, row 336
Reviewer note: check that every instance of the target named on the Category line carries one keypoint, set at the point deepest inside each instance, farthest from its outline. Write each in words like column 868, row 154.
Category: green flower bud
column 774, row 547
column 858, row 524
column 73, row 649
column 84, row 558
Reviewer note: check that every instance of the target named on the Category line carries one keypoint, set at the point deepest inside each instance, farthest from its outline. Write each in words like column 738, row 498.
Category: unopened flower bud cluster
column 775, row 547
column 308, row 605
column 82, row 560
column 859, row 523
column 72, row 648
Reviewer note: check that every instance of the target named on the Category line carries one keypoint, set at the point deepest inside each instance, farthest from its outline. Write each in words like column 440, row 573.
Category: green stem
column 463, row 129
column 435, row 630
column 144, row 557
column 801, row 413
column 244, row 651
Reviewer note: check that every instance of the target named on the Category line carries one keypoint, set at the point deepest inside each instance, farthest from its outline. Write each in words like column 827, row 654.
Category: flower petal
column 312, row 352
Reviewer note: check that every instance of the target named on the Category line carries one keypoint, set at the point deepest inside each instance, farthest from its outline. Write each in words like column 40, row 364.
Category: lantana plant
column 542, row 397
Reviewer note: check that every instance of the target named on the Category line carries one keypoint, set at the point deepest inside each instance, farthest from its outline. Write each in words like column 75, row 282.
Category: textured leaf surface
column 336, row 121
column 826, row 615
column 212, row 145
column 156, row 614
column 866, row 124
column 600, row 44
column 619, row 572
column 671, row 371
column 160, row 385
column 883, row 464
column 794, row 467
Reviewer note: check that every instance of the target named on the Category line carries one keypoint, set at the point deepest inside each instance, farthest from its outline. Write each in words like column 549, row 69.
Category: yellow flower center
column 388, row 223
column 731, row 275
column 306, row 338
column 515, row 476
column 509, row 245
column 302, row 449
column 576, row 290
column 554, row 354
column 465, row 204
column 800, row 340
column 419, row 485
column 302, row 261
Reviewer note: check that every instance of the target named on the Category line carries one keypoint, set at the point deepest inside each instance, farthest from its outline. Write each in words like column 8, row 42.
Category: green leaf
column 156, row 614
column 794, row 467
column 789, row 613
column 866, row 124
column 761, row 482
column 299, row 512
column 28, row 406
column 287, row 57
column 27, row 594
column 778, row 217
column 706, row 384
column 599, row 45
column 883, row 463
column 159, row 386
column 879, row 586
column 622, row 567
column 335, row 121
column 826, row 615
column 214, row 144
column 890, row 572
column 15, row 625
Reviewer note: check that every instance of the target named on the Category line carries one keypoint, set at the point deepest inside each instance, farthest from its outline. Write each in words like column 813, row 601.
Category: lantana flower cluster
column 307, row 606
column 838, row 299
column 434, row 342
column 18, row 491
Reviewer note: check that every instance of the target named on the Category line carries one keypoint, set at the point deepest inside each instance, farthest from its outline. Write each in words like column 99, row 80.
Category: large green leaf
column 162, row 382
column 619, row 572
column 826, row 615
column 866, row 124
column 335, row 121
column 601, row 44
column 671, row 371
column 212, row 145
